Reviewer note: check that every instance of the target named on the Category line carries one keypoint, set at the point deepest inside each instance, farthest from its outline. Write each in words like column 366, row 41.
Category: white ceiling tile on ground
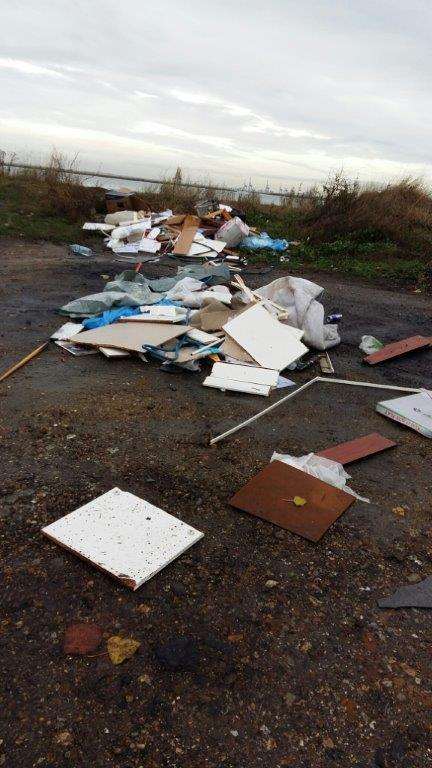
column 248, row 373
column 124, row 535
column 267, row 340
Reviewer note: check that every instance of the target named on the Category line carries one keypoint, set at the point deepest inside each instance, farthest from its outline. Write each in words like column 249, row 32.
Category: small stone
column 234, row 733
column 271, row 583
column 64, row 739
column 328, row 743
column 81, row 638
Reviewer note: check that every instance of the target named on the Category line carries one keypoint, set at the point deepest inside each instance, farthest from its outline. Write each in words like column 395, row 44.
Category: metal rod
column 300, row 389
column 366, row 384
column 262, row 413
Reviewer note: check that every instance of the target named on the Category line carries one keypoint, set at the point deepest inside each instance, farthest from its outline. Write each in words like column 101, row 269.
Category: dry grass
column 343, row 226
column 399, row 213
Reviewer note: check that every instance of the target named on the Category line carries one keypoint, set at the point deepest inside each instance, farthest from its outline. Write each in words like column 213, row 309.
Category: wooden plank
column 187, row 234
column 24, row 361
column 397, row 348
column 360, row 448
column 130, row 336
column 270, row 495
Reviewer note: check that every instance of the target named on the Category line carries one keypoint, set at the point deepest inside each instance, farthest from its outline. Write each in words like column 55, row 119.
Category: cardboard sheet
column 270, row 495
column 268, row 341
column 130, row 336
column 230, row 348
column 123, row 535
column 187, row 234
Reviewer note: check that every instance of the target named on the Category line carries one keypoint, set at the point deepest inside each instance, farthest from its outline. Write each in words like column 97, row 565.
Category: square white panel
column 269, row 342
column 124, row 535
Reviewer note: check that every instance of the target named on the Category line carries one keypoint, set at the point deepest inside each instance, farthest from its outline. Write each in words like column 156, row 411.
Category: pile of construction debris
column 138, row 236
column 206, row 315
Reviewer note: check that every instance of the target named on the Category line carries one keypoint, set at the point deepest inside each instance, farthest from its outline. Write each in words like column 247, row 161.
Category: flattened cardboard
column 360, row 448
column 397, row 348
column 123, row 535
column 230, row 348
column 187, row 234
column 269, row 495
column 130, row 336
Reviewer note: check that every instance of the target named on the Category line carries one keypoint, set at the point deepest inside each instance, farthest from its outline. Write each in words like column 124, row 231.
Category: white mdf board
column 123, row 535
column 268, row 341
column 414, row 411
column 237, row 386
column 248, row 373
column 130, row 336
column 202, row 337
column 109, row 352
column 151, row 319
column 66, row 331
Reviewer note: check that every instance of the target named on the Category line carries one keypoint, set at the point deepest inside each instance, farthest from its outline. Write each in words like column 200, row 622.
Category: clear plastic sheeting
column 298, row 297
column 328, row 471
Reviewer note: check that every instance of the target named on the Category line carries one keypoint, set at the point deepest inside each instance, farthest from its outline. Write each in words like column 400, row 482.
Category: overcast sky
column 282, row 90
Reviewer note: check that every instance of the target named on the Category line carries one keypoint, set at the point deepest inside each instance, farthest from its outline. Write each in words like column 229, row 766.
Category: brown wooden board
column 397, row 348
column 353, row 450
column 185, row 240
column 266, row 495
column 130, row 336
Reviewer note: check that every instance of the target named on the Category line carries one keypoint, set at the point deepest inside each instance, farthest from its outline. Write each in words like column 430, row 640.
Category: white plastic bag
column 328, row 471
column 299, row 297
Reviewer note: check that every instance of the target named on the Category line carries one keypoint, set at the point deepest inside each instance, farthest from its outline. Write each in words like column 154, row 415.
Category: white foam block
column 268, row 341
column 124, row 535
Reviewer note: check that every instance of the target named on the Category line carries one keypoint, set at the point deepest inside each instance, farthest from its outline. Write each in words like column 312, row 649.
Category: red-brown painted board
column 270, row 495
column 353, row 450
column 397, row 348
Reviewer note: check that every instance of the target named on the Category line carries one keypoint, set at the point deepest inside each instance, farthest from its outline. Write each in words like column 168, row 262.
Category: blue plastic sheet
column 257, row 242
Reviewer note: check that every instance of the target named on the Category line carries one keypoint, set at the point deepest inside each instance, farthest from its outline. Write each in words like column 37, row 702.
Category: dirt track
column 229, row 674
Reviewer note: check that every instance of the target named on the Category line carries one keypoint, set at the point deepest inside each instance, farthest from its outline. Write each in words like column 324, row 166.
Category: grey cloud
column 276, row 90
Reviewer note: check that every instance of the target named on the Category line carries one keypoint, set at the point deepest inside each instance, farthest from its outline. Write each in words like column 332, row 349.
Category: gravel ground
column 230, row 673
